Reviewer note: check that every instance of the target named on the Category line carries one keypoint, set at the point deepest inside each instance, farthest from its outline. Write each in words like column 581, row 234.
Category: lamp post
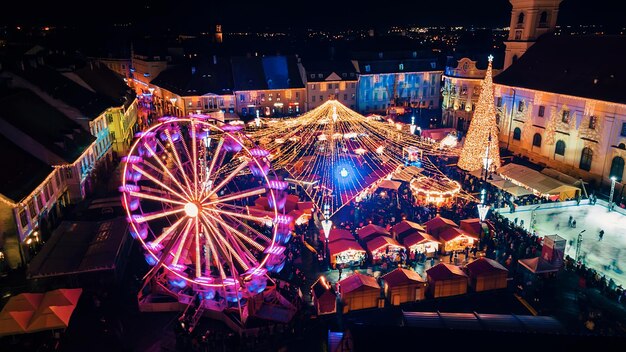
column 483, row 209
column 613, row 179
column 578, row 243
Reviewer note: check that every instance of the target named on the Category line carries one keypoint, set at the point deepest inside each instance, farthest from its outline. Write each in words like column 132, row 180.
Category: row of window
column 37, row 203
column 330, row 86
column 270, row 97
column 321, row 75
column 330, row 96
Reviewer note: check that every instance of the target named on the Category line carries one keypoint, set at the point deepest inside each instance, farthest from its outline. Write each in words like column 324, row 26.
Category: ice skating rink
column 607, row 256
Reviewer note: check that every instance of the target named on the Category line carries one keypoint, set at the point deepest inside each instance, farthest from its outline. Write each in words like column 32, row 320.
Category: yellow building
column 326, row 80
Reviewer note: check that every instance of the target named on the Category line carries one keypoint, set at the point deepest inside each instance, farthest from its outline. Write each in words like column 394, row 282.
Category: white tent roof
column 534, row 179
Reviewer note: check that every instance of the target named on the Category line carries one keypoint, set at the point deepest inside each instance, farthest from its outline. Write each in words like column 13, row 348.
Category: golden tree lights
column 483, row 125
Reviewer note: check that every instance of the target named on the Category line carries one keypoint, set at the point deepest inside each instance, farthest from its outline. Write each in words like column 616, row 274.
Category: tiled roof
column 197, row 78
column 401, row 276
column 30, row 114
column 263, row 73
column 444, row 271
column 582, row 66
column 26, row 171
column 356, row 281
column 484, row 265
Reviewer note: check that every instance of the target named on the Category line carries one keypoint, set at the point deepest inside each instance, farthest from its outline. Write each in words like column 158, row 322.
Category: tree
column 482, row 136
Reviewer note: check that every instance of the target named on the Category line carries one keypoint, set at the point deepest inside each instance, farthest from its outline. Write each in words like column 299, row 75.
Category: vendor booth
column 438, row 224
column 421, row 242
column 486, row 274
column 404, row 285
column 456, row 239
column 359, row 291
column 539, row 183
column 324, row 297
column 346, row 252
column 370, row 231
column 405, row 228
column 340, row 234
column 383, row 245
column 446, row 280
column 476, row 227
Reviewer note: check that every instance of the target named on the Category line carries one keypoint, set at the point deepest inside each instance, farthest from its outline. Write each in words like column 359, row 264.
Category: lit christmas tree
column 481, row 141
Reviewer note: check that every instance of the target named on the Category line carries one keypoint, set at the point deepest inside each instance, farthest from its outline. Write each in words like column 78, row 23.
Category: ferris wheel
column 188, row 188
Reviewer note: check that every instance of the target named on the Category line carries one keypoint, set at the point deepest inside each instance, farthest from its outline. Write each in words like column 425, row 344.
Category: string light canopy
column 482, row 135
column 334, row 153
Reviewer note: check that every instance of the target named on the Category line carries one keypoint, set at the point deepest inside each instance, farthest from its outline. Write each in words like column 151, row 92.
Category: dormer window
column 367, row 68
column 401, row 67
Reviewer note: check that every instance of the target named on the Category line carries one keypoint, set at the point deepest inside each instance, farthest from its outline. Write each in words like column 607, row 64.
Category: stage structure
column 335, row 153
column 187, row 186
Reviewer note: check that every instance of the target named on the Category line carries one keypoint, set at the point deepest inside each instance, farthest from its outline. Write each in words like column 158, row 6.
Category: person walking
column 569, row 222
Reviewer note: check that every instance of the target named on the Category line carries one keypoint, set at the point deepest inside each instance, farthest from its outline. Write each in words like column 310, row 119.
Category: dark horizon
column 193, row 15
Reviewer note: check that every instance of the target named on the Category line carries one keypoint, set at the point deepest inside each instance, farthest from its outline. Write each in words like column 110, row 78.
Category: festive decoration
column 186, row 188
column 435, row 191
column 483, row 131
column 335, row 154
column 550, row 133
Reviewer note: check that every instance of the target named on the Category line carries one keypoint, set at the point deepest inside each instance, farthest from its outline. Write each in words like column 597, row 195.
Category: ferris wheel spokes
column 167, row 171
column 227, row 179
column 181, row 169
column 156, row 215
column 237, row 195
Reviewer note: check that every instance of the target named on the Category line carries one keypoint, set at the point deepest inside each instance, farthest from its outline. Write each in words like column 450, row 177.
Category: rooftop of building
column 197, row 77
column 26, row 171
column 264, row 73
column 37, row 119
column 582, row 66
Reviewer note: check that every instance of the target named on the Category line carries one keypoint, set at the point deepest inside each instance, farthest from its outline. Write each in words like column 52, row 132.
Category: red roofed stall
column 437, row 224
column 487, row 274
column 384, row 245
column 348, row 252
column 405, row 228
column 324, row 297
column 370, row 231
column 359, row 291
column 455, row 239
column 404, row 285
column 422, row 243
column 446, row 280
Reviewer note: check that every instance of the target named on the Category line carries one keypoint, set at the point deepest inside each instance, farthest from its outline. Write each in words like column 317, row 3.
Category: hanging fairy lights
column 332, row 140
column 483, row 131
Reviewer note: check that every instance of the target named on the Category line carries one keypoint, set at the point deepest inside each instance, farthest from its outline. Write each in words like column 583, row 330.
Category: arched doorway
column 617, row 168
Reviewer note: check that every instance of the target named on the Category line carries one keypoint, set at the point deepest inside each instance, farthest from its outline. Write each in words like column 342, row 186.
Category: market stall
column 405, row 228
column 421, row 242
column 340, row 234
column 370, row 231
column 476, row 227
column 404, row 285
column 446, row 280
column 324, row 296
column 346, row 252
column 359, row 291
column 539, row 183
column 486, row 274
column 385, row 246
column 456, row 239
column 438, row 224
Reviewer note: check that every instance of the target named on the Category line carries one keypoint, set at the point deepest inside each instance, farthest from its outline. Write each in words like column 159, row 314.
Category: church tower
column 529, row 20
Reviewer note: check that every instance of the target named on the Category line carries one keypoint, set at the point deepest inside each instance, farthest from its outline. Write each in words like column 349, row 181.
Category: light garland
column 322, row 142
column 482, row 127
column 434, row 191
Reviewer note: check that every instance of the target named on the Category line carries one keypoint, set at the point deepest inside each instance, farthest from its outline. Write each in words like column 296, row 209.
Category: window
column 319, row 75
column 623, row 132
column 345, row 97
column 520, row 18
column 499, row 102
column 520, row 106
column 517, row 134
column 68, row 173
column 367, row 68
column 313, row 98
column 617, row 168
column 543, row 19
column 312, row 75
column 560, row 148
column 585, row 159
column 110, row 118
column 297, row 95
column 242, row 97
column 23, row 218
column 592, row 122
column 514, row 59
column 321, row 98
column 565, row 117
column 199, row 104
column 537, row 140
column 542, row 111
column 31, row 209
column 312, row 86
column 49, row 191
column 40, row 201
column 352, row 75
column 497, row 119
column 344, row 75
column 433, row 65
column 352, row 85
column 244, row 111
column 353, row 96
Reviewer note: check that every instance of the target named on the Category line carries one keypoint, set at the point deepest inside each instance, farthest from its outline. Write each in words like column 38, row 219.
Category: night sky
column 282, row 13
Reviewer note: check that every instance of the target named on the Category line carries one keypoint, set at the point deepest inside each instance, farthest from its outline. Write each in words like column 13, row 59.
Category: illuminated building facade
column 330, row 80
column 460, row 92
column 385, row 83
column 271, row 85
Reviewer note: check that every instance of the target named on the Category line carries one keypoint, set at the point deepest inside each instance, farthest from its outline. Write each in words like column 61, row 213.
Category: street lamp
column 483, row 209
column 613, row 179
column 578, row 243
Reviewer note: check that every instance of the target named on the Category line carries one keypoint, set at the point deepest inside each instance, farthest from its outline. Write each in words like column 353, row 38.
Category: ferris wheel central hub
column 191, row 209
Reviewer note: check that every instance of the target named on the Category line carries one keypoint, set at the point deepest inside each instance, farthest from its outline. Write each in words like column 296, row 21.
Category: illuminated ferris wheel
column 187, row 186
